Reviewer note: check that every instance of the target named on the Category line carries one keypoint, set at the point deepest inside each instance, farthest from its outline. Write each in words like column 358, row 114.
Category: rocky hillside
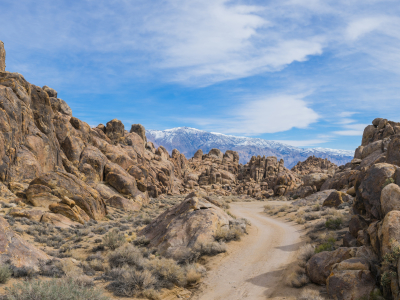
column 189, row 140
column 52, row 160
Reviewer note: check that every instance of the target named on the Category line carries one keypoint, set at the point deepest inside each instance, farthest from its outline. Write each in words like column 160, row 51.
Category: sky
column 308, row 73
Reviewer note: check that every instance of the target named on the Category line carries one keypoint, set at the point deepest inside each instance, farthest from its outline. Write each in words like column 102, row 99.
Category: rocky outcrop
column 2, row 57
column 264, row 176
column 319, row 266
column 181, row 228
column 314, row 165
column 16, row 251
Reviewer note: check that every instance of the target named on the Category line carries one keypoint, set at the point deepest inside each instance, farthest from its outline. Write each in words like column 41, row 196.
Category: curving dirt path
column 255, row 267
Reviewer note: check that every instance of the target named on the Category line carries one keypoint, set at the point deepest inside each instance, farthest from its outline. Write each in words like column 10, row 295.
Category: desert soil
column 256, row 266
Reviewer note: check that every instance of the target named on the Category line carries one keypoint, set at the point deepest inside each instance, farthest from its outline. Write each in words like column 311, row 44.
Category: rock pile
column 314, row 165
column 264, row 177
column 373, row 178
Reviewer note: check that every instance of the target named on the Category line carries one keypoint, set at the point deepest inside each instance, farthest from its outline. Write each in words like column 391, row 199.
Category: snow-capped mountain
column 188, row 140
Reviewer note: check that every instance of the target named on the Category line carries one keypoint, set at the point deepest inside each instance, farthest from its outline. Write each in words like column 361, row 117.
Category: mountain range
column 188, row 140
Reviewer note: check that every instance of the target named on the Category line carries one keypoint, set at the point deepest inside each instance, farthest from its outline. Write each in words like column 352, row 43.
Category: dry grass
column 297, row 278
column 309, row 294
column 300, row 220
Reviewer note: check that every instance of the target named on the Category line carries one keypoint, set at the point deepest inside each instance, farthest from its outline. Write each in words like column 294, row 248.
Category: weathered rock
column 314, row 165
column 369, row 189
column 368, row 134
column 180, row 228
column 315, row 179
column 320, row 265
column 335, row 199
column 390, row 198
column 350, row 284
column 390, row 231
column 74, row 213
column 356, row 224
column 371, row 148
column 349, row 240
column 115, row 130
column 2, row 57
column 16, row 250
column 139, row 130
column 51, row 92
column 119, row 179
column 341, row 180
column 58, row 220
column 32, row 214
column 64, row 184
column 123, row 203
column 59, row 105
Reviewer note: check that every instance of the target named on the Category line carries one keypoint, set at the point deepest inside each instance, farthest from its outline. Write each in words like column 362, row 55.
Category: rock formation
column 373, row 178
column 2, row 57
column 184, row 226
column 314, row 165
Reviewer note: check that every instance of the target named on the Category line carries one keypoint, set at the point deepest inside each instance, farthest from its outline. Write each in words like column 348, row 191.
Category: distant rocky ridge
column 189, row 140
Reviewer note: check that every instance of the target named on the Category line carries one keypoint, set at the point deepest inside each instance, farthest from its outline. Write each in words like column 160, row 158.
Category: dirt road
column 255, row 267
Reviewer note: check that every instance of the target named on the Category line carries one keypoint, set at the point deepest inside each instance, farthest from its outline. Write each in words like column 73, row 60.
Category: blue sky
column 309, row 73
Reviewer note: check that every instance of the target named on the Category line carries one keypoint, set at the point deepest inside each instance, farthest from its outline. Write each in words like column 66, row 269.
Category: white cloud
column 265, row 115
column 351, row 130
column 360, row 27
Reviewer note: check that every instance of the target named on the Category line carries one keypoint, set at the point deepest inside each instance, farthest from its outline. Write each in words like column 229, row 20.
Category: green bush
column 55, row 289
column 334, row 223
column 5, row 273
column 329, row 245
column 113, row 239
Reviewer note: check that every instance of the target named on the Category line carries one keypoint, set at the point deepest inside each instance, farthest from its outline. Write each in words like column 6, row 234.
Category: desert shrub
column 390, row 261
column 210, row 249
column 297, row 278
column 312, row 216
column 309, row 294
column 225, row 234
column 132, row 283
column 306, row 252
column 193, row 276
column 284, row 208
column 334, row 223
column 55, row 289
column 50, row 268
column 316, row 207
column 5, row 273
column 126, row 255
column 151, row 294
column 167, row 271
column 230, row 214
column 329, row 245
column 141, row 241
column 113, row 239
column 96, row 265
column 300, row 220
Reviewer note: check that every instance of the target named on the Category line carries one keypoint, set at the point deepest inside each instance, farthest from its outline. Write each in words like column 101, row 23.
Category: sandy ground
column 255, row 267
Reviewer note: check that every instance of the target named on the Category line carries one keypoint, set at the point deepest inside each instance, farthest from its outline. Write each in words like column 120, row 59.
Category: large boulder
column 335, row 199
column 2, row 57
column 139, row 130
column 390, row 198
column 350, row 284
column 356, row 224
column 56, row 185
column 17, row 251
column 390, row 231
column 393, row 151
column 183, row 226
column 315, row 179
column 369, row 188
column 319, row 266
